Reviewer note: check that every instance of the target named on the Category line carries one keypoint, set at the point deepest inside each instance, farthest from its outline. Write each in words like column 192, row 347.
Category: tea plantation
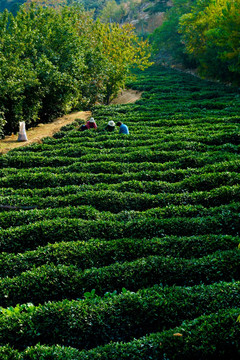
column 126, row 247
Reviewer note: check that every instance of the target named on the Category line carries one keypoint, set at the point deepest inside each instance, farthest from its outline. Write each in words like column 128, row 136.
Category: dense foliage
column 53, row 61
column 211, row 33
column 166, row 40
column 41, row 55
column 118, row 247
column 14, row 5
column 204, row 34
column 109, row 10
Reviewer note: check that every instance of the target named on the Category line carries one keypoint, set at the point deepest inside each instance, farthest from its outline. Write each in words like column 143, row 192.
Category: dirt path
column 127, row 97
column 43, row 130
column 40, row 131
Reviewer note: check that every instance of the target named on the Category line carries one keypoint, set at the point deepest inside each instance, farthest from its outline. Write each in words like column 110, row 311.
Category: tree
column 111, row 51
column 211, row 34
column 119, row 50
column 55, row 60
column 166, row 40
column 41, row 63
column 52, row 3
column 112, row 12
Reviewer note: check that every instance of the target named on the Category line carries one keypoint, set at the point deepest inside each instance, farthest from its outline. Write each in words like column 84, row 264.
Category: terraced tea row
column 100, row 253
column 107, row 238
column 186, row 158
column 179, row 343
column 27, row 237
column 116, row 201
column 49, row 282
column 111, row 167
column 152, row 182
column 23, row 217
column 86, row 324
column 110, row 146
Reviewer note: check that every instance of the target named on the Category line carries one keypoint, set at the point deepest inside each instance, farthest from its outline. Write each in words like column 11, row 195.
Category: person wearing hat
column 123, row 129
column 110, row 126
column 91, row 124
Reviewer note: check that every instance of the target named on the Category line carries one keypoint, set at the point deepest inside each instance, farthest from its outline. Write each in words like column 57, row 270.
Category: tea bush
column 95, row 321
column 181, row 342
column 99, row 252
column 120, row 246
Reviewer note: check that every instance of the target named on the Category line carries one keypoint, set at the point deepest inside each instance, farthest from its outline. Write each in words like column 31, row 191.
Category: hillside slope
column 145, row 15
column 10, row 5
column 126, row 247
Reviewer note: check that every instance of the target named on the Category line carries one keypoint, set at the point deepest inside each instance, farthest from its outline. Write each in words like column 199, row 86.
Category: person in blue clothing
column 123, row 129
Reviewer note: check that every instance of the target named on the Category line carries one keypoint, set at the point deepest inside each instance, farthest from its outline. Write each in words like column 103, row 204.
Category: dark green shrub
column 124, row 317
column 179, row 343
column 50, row 282
column 99, row 253
column 110, row 213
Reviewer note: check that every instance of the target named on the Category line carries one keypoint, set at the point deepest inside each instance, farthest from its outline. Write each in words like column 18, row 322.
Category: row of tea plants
column 127, row 247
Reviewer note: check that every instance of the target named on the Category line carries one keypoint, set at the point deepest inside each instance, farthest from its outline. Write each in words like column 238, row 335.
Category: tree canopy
column 212, row 34
column 53, row 61
column 204, row 34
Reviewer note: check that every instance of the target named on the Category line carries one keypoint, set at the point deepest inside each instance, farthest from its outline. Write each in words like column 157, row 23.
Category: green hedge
column 135, row 182
column 161, row 125
column 175, row 225
column 11, row 217
column 169, row 170
column 24, row 217
column 49, row 282
column 99, row 253
column 28, row 237
column 107, row 200
column 207, row 337
column 170, row 143
column 20, row 161
column 118, row 146
column 97, row 321
column 185, row 158
column 127, row 153
column 105, row 167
